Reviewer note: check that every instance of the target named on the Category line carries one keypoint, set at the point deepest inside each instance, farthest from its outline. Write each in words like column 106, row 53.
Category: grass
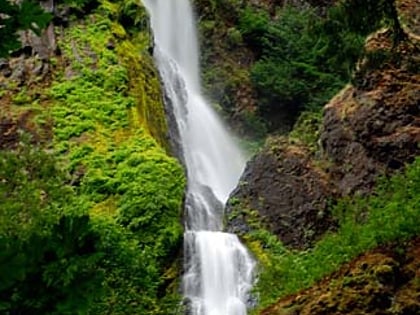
column 390, row 214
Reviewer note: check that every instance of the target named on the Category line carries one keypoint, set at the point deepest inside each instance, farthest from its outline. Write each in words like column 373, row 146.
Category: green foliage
column 27, row 178
column 93, row 231
column 390, row 214
column 83, row 6
column 55, row 257
column 254, row 26
column 302, row 59
column 119, row 169
column 307, row 130
column 46, row 247
column 96, row 96
column 131, row 14
column 27, row 15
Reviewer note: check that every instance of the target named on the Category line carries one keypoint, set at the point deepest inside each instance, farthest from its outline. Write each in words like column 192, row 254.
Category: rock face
column 371, row 128
column 381, row 282
column 11, row 129
column 289, row 192
column 409, row 12
column 367, row 132
column 19, row 75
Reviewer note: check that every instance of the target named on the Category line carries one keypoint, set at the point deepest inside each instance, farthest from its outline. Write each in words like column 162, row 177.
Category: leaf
column 32, row 16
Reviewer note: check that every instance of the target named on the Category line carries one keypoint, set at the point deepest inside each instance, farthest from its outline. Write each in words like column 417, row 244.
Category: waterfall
column 218, row 269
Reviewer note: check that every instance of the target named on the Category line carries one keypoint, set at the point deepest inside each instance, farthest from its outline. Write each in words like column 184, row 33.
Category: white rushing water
column 218, row 269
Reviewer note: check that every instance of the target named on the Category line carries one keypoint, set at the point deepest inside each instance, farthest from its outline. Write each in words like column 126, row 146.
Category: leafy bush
column 56, row 258
column 47, row 248
column 366, row 16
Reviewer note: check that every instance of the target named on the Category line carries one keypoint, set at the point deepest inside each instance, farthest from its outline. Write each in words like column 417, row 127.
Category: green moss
column 307, row 130
column 144, row 86
column 118, row 31
column 109, row 134
column 110, row 127
column 22, row 98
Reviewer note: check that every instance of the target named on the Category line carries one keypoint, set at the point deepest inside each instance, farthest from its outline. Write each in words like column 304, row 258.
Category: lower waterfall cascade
column 219, row 271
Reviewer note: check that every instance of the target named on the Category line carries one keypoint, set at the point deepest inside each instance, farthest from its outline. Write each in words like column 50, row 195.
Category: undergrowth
column 97, row 225
column 390, row 214
column 118, row 166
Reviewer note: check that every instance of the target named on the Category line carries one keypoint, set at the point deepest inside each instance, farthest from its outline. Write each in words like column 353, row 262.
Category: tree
column 27, row 15
column 48, row 251
column 302, row 60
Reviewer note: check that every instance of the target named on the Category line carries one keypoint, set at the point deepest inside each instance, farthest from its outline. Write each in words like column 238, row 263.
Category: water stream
column 218, row 269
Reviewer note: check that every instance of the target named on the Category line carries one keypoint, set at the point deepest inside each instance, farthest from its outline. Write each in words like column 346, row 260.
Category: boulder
column 289, row 192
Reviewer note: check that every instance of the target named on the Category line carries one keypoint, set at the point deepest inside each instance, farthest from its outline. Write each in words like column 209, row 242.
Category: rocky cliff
column 370, row 128
column 293, row 188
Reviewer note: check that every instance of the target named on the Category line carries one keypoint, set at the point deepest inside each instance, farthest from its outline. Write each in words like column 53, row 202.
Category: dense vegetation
column 303, row 59
column 91, row 222
column 280, row 59
column 62, row 253
column 390, row 214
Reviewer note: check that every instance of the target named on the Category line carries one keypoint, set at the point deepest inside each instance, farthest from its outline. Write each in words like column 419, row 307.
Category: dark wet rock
column 370, row 129
column 5, row 68
column 12, row 129
column 409, row 12
column 38, row 70
column 24, row 70
column 187, row 304
column 42, row 46
column 3, row 64
column 289, row 193
column 61, row 15
column 25, row 50
column 8, row 134
column 18, row 70
column 173, row 129
column 31, row 62
column 373, row 126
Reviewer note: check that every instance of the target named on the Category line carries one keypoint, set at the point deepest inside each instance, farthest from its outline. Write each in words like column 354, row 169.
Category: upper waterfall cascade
column 218, row 269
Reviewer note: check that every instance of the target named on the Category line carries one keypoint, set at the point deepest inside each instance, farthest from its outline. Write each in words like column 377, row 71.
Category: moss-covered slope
column 107, row 229
column 382, row 281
